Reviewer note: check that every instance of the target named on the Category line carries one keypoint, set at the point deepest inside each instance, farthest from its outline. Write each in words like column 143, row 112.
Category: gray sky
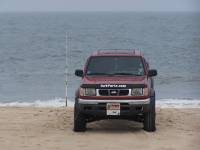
column 99, row 5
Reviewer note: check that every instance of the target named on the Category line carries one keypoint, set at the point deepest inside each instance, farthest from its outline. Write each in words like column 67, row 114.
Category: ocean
column 33, row 53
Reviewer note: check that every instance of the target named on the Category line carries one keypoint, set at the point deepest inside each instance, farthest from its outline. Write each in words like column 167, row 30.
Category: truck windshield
column 115, row 66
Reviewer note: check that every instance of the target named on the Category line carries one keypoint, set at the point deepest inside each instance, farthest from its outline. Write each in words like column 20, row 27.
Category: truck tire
column 150, row 117
column 79, row 120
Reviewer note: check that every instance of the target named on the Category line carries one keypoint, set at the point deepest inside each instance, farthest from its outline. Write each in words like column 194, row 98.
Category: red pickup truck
column 116, row 84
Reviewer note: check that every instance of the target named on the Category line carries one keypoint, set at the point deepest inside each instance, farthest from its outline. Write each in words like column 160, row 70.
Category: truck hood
column 114, row 80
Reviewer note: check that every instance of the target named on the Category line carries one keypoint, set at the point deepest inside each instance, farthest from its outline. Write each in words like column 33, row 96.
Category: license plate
column 113, row 109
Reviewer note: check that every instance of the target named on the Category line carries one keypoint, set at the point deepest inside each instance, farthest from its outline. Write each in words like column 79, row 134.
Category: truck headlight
column 87, row 92
column 139, row 92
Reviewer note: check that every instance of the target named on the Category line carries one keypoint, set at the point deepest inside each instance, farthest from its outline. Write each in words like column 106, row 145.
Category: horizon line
column 115, row 11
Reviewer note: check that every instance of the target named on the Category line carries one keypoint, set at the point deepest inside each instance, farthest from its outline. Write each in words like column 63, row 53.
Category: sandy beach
column 31, row 128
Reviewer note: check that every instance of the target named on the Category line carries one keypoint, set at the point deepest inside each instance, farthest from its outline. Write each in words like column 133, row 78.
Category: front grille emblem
column 113, row 92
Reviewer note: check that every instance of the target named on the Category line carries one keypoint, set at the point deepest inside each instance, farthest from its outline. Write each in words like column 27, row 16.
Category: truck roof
column 117, row 53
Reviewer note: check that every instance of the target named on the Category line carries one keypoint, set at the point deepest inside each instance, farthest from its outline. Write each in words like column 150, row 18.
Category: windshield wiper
column 113, row 74
column 126, row 73
column 98, row 73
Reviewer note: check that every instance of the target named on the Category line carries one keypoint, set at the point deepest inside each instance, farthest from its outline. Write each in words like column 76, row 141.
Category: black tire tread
column 150, row 117
column 79, row 121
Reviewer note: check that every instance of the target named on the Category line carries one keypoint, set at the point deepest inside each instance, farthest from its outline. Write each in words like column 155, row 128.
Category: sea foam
column 60, row 102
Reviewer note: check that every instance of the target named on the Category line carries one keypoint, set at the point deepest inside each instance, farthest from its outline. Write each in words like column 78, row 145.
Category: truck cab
column 115, row 84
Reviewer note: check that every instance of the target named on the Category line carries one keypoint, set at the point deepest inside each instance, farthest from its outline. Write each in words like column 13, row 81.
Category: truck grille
column 113, row 92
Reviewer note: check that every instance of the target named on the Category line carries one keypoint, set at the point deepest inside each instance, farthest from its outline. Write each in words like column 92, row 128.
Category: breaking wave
column 57, row 102
column 178, row 103
column 60, row 102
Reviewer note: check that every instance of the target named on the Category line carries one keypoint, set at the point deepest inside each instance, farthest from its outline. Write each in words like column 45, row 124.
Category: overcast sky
column 99, row 5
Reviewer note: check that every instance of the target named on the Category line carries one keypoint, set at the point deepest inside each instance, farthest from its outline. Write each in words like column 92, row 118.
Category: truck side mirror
column 152, row 72
column 79, row 73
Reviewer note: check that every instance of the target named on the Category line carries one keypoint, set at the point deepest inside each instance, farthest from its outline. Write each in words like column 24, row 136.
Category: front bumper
column 130, row 102
column 128, row 108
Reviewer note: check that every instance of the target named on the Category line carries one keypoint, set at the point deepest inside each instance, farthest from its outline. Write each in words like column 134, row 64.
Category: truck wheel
column 79, row 120
column 150, row 117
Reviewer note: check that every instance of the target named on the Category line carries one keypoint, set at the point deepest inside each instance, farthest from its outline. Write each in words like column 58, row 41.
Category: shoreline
column 60, row 102
column 51, row 128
